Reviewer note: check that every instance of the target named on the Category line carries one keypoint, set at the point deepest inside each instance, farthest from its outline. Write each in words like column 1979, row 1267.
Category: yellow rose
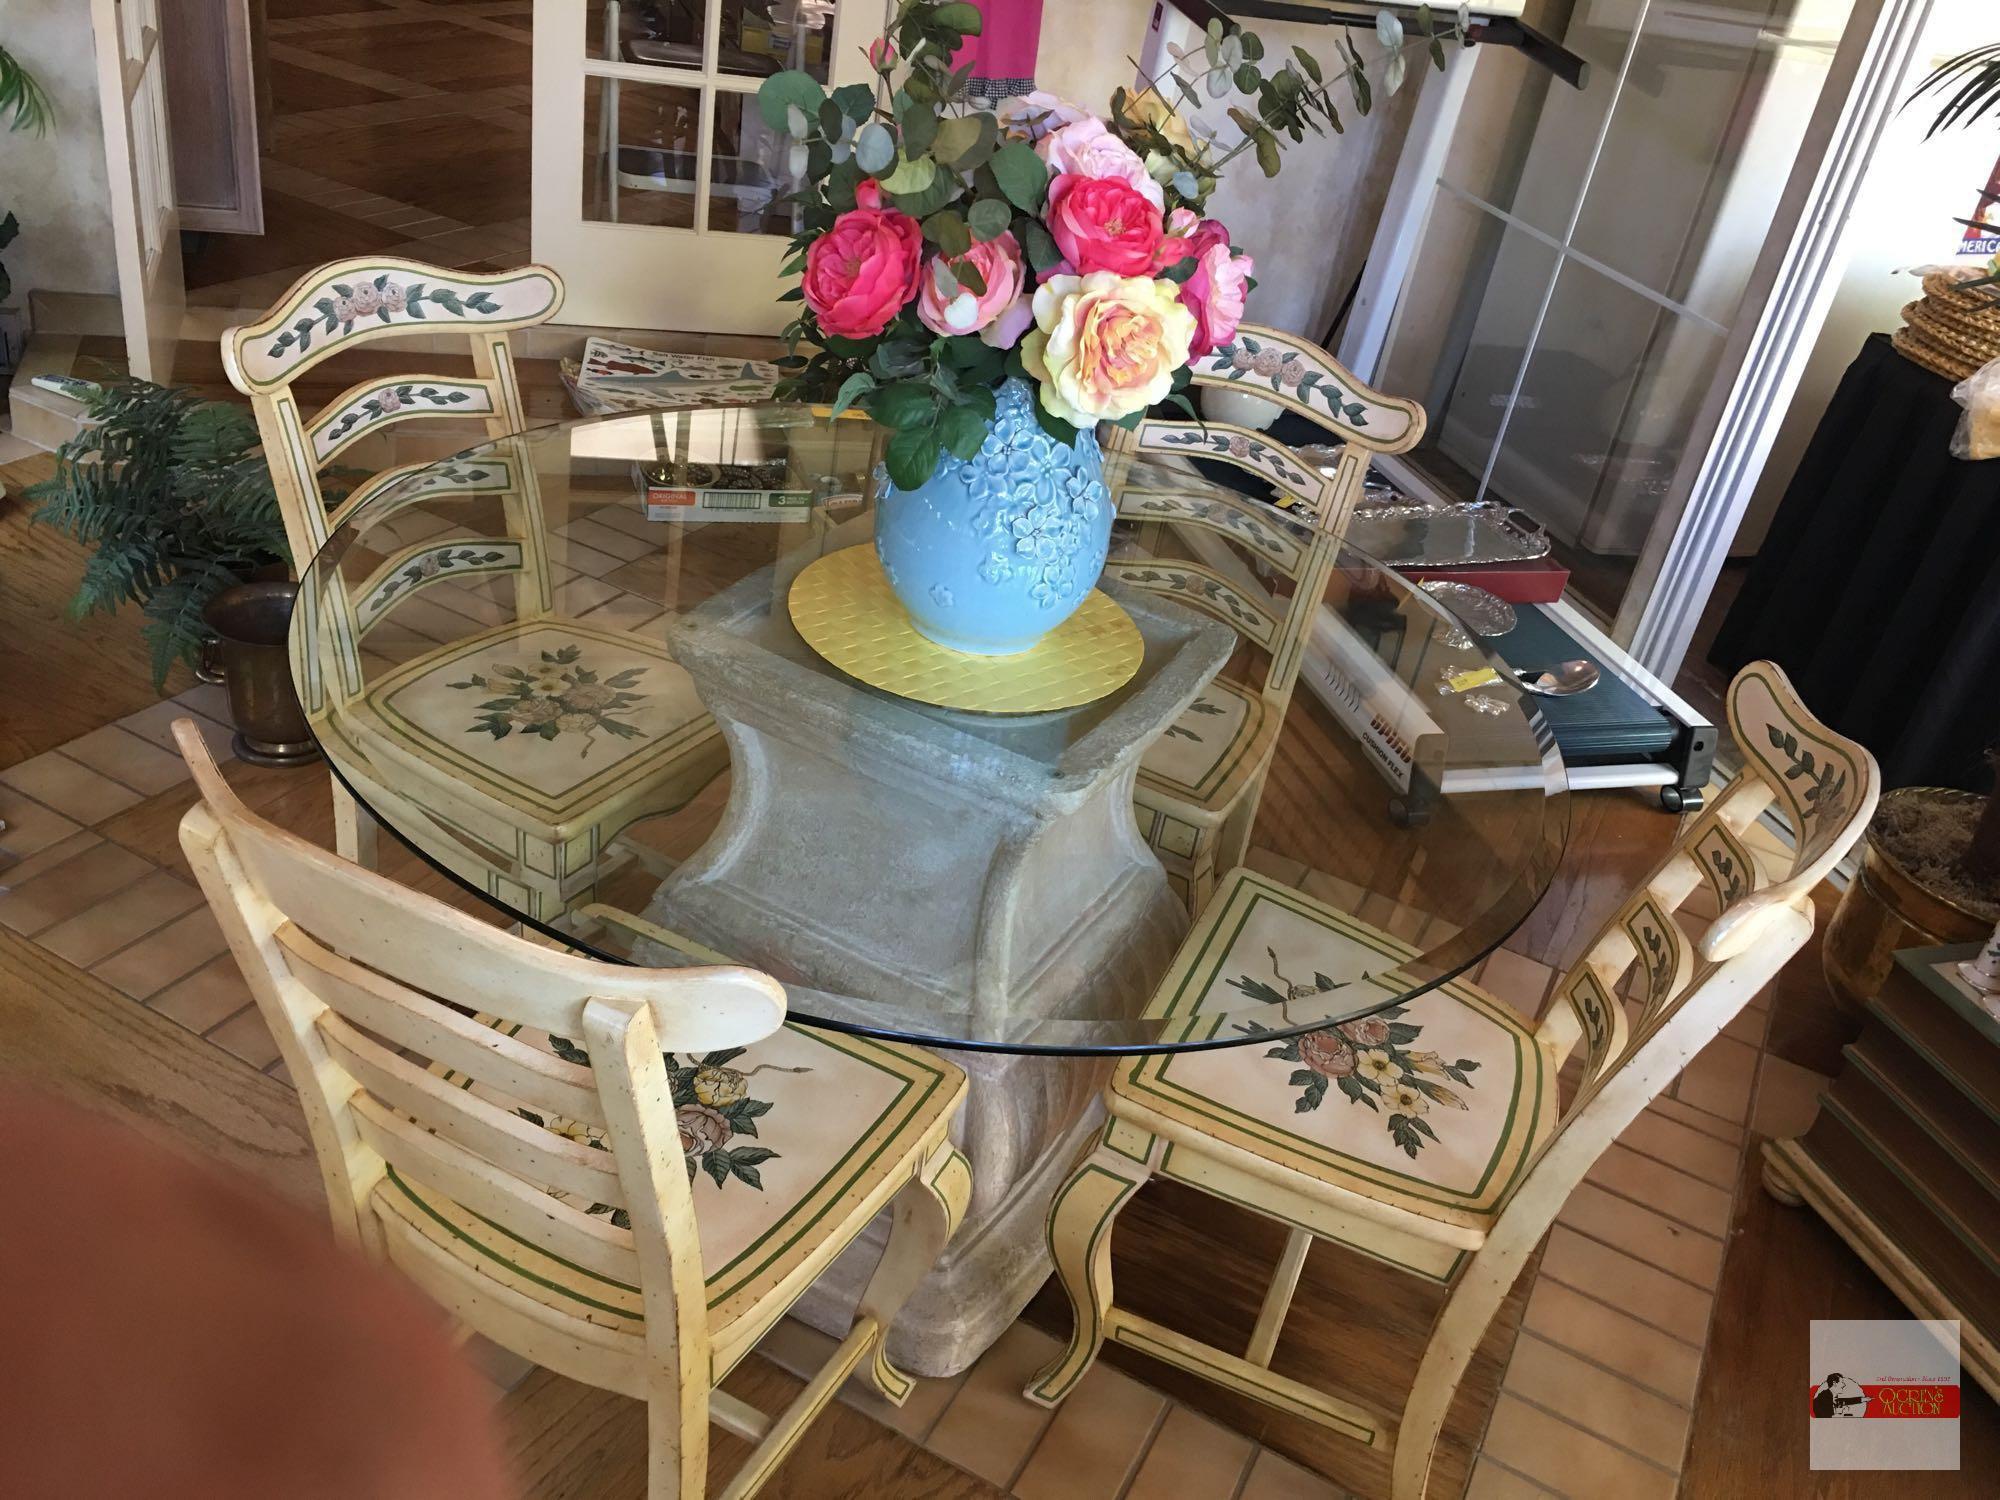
column 1151, row 110
column 1105, row 345
column 718, row 1087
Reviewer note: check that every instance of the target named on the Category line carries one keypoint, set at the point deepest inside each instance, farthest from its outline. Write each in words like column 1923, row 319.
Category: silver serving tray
column 1409, row 535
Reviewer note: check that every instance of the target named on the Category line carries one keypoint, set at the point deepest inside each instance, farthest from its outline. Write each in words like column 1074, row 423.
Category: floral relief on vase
column 560, row 697
column 1372, row 1061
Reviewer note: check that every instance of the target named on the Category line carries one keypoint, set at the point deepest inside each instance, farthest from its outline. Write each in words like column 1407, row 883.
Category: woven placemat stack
column 1951, row 330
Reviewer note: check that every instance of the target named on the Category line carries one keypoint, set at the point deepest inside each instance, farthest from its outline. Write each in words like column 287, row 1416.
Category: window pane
column 640, row 145
column 760, row 37
column 751, row 169
column 666, row 33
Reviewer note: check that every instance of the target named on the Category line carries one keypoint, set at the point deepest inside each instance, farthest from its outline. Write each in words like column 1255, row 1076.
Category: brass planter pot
column 1885, row 908
column 249, row 623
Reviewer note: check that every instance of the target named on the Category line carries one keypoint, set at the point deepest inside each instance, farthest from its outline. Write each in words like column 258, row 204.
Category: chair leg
column 353, row 827
column 928, row 1213
column 1081, row 1216
column 677, row 1439
column 1201, row 873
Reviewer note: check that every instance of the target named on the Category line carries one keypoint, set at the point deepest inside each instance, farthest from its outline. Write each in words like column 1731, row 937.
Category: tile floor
column 1597, row 1396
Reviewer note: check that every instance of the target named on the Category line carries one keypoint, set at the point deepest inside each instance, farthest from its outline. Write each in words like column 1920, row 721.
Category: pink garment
column 1003, row 54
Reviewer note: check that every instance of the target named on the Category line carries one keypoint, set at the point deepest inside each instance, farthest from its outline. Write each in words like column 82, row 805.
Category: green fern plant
column 174, row 497
column 23, row 104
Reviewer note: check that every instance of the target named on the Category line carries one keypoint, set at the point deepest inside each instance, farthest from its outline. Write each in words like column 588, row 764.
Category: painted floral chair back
column 1214, row 583
column 351, row 303
column 357, row 976
column 1684, row 991
column 1298, row 375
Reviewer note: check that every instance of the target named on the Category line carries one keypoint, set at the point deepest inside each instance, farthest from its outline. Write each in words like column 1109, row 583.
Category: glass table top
column 559, row 667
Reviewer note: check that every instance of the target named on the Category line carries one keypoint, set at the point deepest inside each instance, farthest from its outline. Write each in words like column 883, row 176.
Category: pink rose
column 882, row 54
column 943, row 306
column 1035, row 115
column 1216, row 292
column 1103, row 224
column 862, row 272
column 1089, row 149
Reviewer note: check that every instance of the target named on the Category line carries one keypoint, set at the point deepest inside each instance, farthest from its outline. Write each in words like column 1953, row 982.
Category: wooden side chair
column 1429, row 1135
column 627, row 1175
column 1199, row 785
column 528, row 825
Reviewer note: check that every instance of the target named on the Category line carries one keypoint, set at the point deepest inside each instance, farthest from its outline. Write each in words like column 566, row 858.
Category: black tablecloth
column 1878, row 588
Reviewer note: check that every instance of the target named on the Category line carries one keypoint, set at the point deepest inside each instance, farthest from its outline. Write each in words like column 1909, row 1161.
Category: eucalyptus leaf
column 1217, row 84
column 1267, row 153
column 855, row 100
column 874, row 147
column 1184, row 183
column 1248, row 79
column 783, row 92
column 1392, row 76
column 955, row 138
column 918, row 123
column 1043, row 253
column 960, row 16
column 988, row 218
column 912, row 175
column 1022, row 175
column 946, row 229
column 1309, row 63
column 1388, row 30
column 1253, row 45
column 969, row 277
column 831, row 121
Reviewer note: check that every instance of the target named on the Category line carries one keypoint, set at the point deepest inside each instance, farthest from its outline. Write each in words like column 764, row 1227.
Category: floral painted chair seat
column 783, row 1141
column 1427, row 1110
column 1431, row 1135
column 1258, row 565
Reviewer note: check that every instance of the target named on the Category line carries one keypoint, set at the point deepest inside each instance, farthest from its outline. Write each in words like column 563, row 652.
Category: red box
column 1538, row 580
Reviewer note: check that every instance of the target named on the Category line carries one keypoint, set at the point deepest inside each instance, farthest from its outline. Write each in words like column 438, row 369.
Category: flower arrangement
column 943, row 248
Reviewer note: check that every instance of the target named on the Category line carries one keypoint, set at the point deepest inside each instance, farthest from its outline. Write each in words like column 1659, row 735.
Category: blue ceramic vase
column 993, row 552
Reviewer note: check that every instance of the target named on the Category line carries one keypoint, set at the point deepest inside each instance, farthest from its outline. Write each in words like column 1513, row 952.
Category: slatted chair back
column 346, row 305
column 365, row 984
column 1214, row 581
column 1686, row 990
column 1298, row 375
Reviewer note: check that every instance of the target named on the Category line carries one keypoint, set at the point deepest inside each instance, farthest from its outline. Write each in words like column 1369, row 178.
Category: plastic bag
column 1978, row 431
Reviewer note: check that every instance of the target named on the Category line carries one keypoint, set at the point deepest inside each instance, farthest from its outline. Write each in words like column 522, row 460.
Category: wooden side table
column 1903, row 1159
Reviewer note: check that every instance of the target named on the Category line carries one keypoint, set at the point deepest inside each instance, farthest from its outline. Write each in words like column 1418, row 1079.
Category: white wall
column 1309, row 227
column 1903, row 218
column 56, row 183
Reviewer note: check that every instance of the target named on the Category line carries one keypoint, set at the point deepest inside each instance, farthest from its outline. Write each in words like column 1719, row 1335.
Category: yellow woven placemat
column 843, row 607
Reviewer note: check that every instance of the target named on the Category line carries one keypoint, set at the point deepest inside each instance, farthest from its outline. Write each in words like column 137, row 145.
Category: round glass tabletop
column 560, row 668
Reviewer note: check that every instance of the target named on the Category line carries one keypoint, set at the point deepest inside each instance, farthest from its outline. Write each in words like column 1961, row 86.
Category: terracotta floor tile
column 1787, row 1098
column 1644, row 1291
column 1602, row 1333
column 208, row 996
column 1663, row 1188
column 1279, row 867
column 21, row 871
column 246, row 1036
column 1516, row 979
column 1568, row 1459
column 144, row 906
column 1094, row 1445
column 156, row 724
column 1611, row 1408
column 581, row 595
column 623, row 611
column 465, row 601
column 1683, row 1146
column 31, row 827
column 1275, row 1478
column 1192, row 1458
column 123, row 756
column 990, row 1428
column 1341, row 895
column 73, row 886
column 1748, row 1025
column 1720, row 1079
column 157, row 960
column 69, row 787
column 1654, row 1238
column 209, row 699
column 584, row 559
column 1491, row 1482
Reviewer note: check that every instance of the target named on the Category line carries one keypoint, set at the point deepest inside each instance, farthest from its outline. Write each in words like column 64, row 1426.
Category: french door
column 138, row 156
column 657, row 182
column 1614, row 287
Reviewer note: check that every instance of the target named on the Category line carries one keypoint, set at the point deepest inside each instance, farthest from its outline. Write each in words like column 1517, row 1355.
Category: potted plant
column 174, row 497
column 989, row 285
